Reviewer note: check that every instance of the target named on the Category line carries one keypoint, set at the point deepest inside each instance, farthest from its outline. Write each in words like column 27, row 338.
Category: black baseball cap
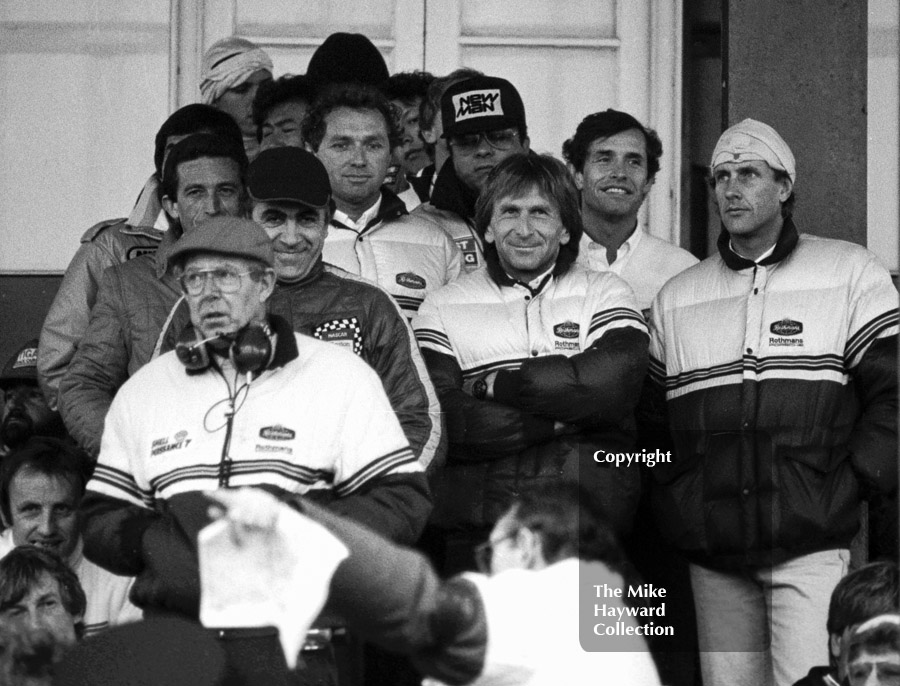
column 22, row 366
column 289, row 174
column 482, row 103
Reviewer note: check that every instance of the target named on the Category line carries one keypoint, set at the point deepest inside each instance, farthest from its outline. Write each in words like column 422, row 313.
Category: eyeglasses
column 225, row 280
column 484, row 553
column 504, row 139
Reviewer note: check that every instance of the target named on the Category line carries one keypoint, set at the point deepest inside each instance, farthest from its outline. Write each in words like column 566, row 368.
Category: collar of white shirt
column 364, row 218
column 758, row 259
column 593, row 255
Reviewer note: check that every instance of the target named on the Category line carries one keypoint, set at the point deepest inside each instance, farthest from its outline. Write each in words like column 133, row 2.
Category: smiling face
column 614, row 180
column 527, row 231
column 298, row 233
column 356, row 153
column 214, row 311
column 44, row 511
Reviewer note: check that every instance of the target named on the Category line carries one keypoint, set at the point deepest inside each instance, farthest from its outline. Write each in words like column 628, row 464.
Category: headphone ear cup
column 251, row 350
column 191, row 350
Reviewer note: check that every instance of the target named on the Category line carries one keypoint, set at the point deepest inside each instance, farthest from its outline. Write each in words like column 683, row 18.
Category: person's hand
column 248, row 511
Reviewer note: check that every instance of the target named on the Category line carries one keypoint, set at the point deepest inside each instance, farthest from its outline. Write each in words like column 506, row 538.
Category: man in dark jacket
column 112, row 242
column 777, row 358
column 203, row 177
column 242, row 401
column 290, row 199
column 483, row 121
column 537, row 362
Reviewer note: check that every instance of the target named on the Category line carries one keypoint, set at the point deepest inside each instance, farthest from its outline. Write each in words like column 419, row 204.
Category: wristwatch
column 479, row 389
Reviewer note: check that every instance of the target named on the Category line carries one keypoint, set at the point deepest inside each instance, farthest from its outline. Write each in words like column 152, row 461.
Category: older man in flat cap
column 777, row 358
column 233, row 70
column 242, row 401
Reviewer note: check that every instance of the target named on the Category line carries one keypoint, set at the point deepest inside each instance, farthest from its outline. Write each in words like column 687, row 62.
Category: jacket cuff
column 507, row 387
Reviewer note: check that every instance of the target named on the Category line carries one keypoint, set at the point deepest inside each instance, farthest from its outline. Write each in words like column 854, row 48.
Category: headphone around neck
column 249, row 348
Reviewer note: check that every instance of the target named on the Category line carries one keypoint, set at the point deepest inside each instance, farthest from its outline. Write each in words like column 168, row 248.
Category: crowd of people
column 359, row 304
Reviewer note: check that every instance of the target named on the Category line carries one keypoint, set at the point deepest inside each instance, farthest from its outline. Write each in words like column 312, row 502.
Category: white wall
column 83, row 89
column 884, row 131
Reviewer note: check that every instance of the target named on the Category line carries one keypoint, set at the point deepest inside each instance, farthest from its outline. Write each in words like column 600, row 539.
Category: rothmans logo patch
column 410, row 280
column 26, row 358
column 567, row 330
column 786, row 327
column 277, row 433
column 473, row 104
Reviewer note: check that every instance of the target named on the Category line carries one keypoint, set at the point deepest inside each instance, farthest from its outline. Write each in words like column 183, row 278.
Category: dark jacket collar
column 421, row 182
column 285, row 342
column 452, row 195
column 314, row 275
column 787, row 241
column 501, row 278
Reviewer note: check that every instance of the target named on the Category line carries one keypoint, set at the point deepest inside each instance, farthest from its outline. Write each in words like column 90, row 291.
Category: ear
column 565, row 237
column 786, row 187
column 576, row 175
column 170, row 207
column 267, row 283
column 526, row 144
column 834, row 645
column 428, row 136
column 489, row 234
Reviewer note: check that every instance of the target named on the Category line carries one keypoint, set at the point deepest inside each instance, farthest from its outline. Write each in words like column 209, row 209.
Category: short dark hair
column 196, row 147
column 352, row 96
column 520, row 173
column 23, row 567
column 877, row 640
column 867, row 592
column 284, row 89
column 406, row 86
column 49, row 456
column 603, row 125
column 431, row 103
column 569, row 523
column 192, row 119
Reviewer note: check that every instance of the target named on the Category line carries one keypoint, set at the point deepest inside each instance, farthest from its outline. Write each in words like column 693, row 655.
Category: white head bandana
column 753, row 140
column 227, row 64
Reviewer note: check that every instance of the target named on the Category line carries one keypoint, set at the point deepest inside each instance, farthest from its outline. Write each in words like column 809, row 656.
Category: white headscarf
column 227, row 64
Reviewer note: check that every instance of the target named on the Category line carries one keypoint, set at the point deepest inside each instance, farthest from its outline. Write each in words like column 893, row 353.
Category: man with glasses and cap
column 483, row 123
column 777, row 358
column 290, row 198
column 242, row 401
column 203, row 177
